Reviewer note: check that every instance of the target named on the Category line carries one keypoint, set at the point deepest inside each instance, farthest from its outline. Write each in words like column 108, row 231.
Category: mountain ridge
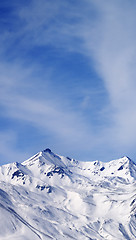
column 50, row 196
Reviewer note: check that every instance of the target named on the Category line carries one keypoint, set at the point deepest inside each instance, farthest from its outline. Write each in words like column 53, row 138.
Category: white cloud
column 104, row 32
column 8, row 150
column 115, row 55
column 49, row 114
column 109, row 38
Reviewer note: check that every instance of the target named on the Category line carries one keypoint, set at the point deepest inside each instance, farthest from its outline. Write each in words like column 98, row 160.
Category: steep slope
column 55, row 197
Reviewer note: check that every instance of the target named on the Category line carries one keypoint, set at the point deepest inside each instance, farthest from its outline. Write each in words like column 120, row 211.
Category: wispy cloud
column 8, row 150
column 74, row 112
column 45, row 113
column 114, row 50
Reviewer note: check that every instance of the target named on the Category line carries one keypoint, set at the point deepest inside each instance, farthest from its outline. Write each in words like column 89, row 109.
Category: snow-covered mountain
column 55, row 197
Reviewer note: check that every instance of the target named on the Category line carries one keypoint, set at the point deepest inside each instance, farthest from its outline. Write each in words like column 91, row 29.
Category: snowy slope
column 55, row 197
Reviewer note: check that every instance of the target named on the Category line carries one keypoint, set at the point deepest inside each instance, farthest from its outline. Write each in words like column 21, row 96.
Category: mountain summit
column 50, row 196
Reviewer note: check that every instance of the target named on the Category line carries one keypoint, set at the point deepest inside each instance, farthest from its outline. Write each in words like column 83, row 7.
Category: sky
column 67, row 79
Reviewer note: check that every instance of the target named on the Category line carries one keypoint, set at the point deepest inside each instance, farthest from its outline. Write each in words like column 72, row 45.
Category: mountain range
column 53, row 197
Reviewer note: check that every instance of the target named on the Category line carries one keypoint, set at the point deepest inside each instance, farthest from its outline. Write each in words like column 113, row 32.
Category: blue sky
column 67, row 78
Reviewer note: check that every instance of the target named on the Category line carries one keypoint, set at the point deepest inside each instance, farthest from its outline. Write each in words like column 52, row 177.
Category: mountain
column 54, row 197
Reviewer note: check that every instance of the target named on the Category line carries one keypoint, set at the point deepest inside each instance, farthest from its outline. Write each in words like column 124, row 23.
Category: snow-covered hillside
column 55, row 197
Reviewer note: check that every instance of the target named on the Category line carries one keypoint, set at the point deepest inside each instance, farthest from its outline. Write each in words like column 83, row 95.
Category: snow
column 54, row 197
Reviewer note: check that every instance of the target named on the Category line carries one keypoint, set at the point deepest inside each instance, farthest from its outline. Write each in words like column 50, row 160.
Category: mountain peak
column 45, row 157
column 47, row 150
column 126, row 158
column 94, row 200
